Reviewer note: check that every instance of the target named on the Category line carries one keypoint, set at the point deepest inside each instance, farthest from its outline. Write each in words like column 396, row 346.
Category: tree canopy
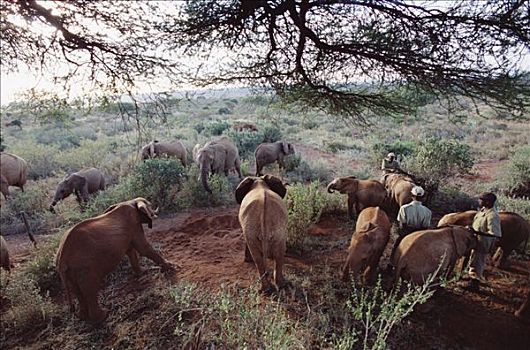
column 351, row 57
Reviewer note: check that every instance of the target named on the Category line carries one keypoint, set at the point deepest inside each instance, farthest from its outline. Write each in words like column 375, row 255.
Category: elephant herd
column 94, row 247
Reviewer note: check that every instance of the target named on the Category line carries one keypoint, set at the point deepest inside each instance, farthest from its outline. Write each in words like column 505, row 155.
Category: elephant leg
column 248, row 256
column 261, row 265
column 346, row 267
column 258, row 169
column 89, row 288
column 278, row 255
column 501, row 257
column 135, row 263
column 145, row 249
column 238, row 168
column 351, row 201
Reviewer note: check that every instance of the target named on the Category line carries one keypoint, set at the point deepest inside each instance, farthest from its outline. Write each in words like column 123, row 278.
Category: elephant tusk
column 156, row 210
column 330, row 189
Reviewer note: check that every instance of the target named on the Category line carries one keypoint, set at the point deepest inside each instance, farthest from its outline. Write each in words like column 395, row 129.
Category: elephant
column 399, row 188
column 83, row 183
column 524, row 311
column 268, row 153
column 263, row 218
column 515, row 230
column 13, row 172
column 372, row 232
column 361, row 193
column 4, row 255
column 156, row 148
column 244, row 126
column 216, row 156
column 94, row 247
column 420, row 253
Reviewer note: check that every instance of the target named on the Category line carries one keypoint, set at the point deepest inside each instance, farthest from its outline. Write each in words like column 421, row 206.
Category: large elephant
column 4, row 255
column 82, row 183
column 399, row 188
column 263, row 218
column 368, row 242
column 420, row 253
column 156, row 148
column 361, row 193
column 217, row 156
column 94, row 247
column 13, row 172
column 268, row 153
column 515, row 230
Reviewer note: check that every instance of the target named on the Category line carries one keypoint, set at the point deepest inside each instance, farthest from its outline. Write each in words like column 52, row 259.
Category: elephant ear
column 285, row 147
column 146, row 212
column 77, row 181
column 243, row 188
column 275, row 184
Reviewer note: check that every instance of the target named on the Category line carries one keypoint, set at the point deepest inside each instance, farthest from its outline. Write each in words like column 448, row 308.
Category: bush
column 450, row 200
column 216, row 128
column 246, row 142
column 379, row 150
column 305, row 204
column 159, row 180
column 193, row 194
column 439, row 159
column 310, row 171
column 41, row 266
column 123, row 191
column 42, row 160
column 271, row 133
column 520, row 206
column 224, row 110
column 515, row 178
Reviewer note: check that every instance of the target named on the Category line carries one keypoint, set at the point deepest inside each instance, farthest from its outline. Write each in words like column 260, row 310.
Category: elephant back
column 13, row 169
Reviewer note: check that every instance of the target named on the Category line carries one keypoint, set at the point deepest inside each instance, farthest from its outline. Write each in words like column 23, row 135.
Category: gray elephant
column 82, row 183
column 156, row 148
column 13, row 172
column 268, row 153
column 217, row 156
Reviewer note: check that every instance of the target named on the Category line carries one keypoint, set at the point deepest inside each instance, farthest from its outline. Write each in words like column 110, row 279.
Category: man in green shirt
column 488, row 223
column 390, row 164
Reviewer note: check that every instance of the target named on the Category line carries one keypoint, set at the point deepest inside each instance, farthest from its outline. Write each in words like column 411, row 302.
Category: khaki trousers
column 478, row 258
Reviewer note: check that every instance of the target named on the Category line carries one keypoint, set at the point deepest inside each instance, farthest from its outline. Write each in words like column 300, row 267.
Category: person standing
column 488, row 224
column 390, row 164
column 412, row 217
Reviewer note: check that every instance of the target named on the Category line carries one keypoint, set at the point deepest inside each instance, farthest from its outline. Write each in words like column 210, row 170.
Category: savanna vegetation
column 442, row 153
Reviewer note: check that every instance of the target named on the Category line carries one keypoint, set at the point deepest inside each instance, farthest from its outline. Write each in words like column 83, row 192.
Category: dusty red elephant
column 93, row 248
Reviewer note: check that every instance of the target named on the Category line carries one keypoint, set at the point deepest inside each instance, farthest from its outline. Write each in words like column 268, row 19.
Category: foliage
column 246, row 141
column 515, row 178
column 376, row 312
column 216, row 128
column 29, row 308
column 233, row 318
column 307, row 170
column 43, row 160
column 520, row 206
column 451, row 199
column 379, row 150
column 123, row 191
column 271, row 133
column 438, row 159
column 292, row 162
column 224, row 110
column 159, row 180
column 41, row 266
column 305, row 204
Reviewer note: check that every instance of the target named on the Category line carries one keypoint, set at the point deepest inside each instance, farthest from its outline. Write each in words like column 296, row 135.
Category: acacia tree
column 351, row 57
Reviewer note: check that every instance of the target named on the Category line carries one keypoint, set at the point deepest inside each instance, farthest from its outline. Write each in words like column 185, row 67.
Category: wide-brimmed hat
column 391, row 154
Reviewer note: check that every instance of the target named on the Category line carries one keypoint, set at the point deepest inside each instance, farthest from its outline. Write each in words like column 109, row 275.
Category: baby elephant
column 83, row 183
column 263, row 217
column 93, row 248
column 420, row 253
column 372, row 232
column 268, row 153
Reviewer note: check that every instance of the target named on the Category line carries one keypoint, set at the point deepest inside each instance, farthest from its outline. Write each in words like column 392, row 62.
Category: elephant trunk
column 331, row 187
column 204, row 179
column 52, row 205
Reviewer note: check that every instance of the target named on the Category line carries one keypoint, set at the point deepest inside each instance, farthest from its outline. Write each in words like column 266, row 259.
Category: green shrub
column 379, row 150
column 305, row 204
column 42, row 159
column 292, row 162
column 246, row 142
column 159, row 180
column 123, row 191
column 515, row 178
column 271, row 133
column 224, row 110
column 520, row 206
column 317, row 170
column 439, row 159
column 41, row 266
column 193, row 194
column 451, row 199
column 216, row 128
